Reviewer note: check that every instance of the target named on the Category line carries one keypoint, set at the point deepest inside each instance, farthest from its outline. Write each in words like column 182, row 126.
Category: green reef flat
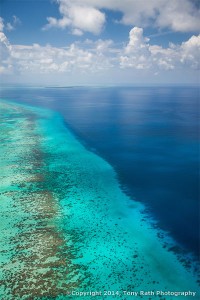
column 67, row 227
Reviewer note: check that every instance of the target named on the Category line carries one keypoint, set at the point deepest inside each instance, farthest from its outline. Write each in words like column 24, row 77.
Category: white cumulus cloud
column 136, row 53
column 190, row 52
column 79, row 16
column 60, row 23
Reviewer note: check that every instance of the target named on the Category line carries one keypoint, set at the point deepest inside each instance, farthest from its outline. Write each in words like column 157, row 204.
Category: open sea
column 148, row 136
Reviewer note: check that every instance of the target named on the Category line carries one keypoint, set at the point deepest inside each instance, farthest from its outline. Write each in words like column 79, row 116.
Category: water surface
column 66, row 225
column 149, row 135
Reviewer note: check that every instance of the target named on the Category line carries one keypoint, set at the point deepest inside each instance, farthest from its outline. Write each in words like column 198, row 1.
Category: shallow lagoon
column 67, row 225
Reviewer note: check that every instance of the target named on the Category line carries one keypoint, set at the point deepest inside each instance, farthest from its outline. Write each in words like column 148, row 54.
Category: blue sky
column 97, row 42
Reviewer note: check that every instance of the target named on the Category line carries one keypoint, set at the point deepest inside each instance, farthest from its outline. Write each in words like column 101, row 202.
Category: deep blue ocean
column 149, row 135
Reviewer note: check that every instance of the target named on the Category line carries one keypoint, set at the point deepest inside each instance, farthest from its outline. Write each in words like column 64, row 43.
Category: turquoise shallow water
column 67, row 227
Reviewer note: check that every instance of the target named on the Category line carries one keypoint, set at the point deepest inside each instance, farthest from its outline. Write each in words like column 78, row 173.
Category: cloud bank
column 140, row 54
column 89, row 59
column 89, row 15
